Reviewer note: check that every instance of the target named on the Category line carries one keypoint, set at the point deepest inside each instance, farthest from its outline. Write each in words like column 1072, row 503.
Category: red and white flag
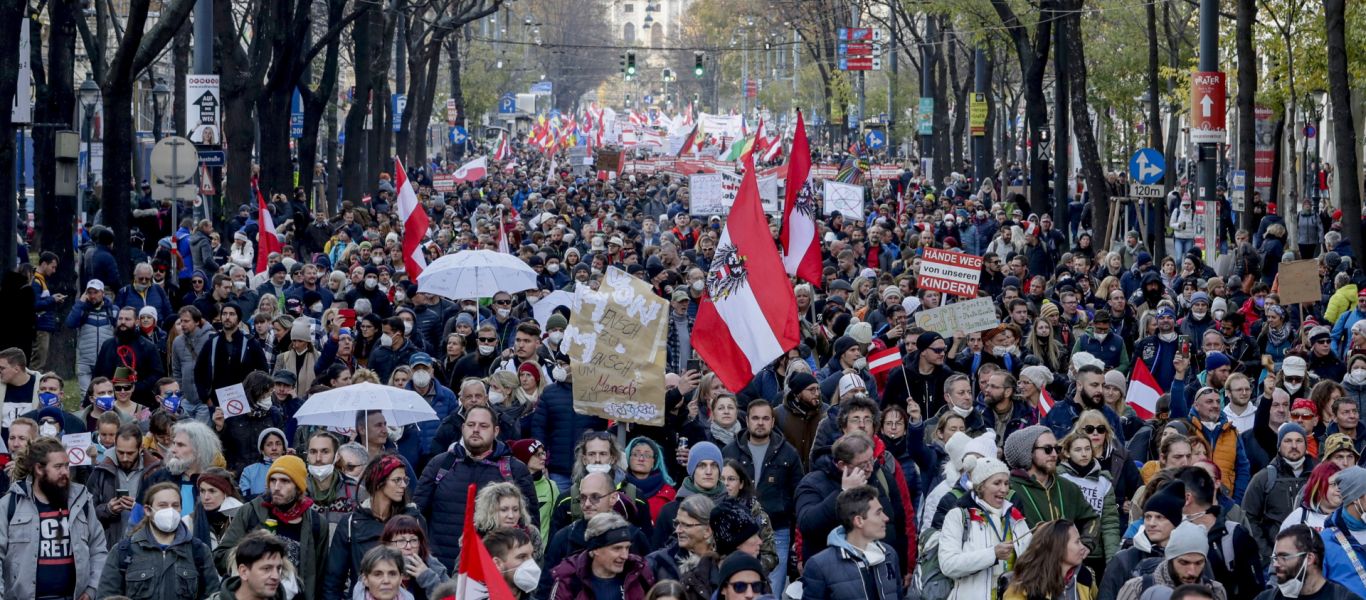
column 415, row 224
column 1143, row 391
column 740, row 330
column 502, row 232
column 473, row 170
column 1045, row 402
column 884, row 360
column 477, row 576
column 267, row 240
column 503, row 150
column 801, row 248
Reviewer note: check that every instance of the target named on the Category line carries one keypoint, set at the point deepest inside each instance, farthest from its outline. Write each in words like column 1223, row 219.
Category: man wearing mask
column 1089, row 383
column 227, row 357
column 1233, row 555
column 514, row 556
column 440, row 397
column 484, row 360
column 333, row 496
column 1199, row 319
column 502, row 321
column 296, row 522
column 1158, row 351
column 1273, row 491
column 370, row 290
column 1295, row 377
column 958, row 400
column 393, row 350
column 1303, row 578
column 53, row 545
column 301, row 358
column 116, row 481
column 1099, row 342
column 129, row 349
column 1161, row 515
column 554, row 335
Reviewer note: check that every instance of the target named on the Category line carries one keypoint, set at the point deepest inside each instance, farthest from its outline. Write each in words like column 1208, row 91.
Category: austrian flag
column 1143, row 391
column 884, row 360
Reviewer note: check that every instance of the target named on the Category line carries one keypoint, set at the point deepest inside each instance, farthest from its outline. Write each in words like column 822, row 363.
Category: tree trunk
column 1157, row 235
column 1082, row 132
column 56, row 103
column 180, row 64
column 357, row 138
column 943, row 155
column 318, row 102
column 1247, row 105
column 11, row 13
column 421, row 113
column 1344, row 131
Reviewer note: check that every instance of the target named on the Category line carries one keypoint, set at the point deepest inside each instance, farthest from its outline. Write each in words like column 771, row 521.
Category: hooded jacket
column 1062, row 499
column 142, row 569
column 19, row 540
column 313, row 543
column 441, row 492
column 843, row 571
column 1162, row 575
column 1273, row 493
column 966, row 546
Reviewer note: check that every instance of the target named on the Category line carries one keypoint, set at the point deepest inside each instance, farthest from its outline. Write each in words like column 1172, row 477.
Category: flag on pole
column 1045, row 402
column 267, row 240
column 739, row 330
column 689, row 144
column 503, row 150
column 1143, row 391
column 502, row 232
column 801, row 249
column 473, row 170
column 477, row 575
column 884, row 360
column 415, row 223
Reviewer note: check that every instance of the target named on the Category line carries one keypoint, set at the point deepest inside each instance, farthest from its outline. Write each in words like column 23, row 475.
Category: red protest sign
column 950, row 272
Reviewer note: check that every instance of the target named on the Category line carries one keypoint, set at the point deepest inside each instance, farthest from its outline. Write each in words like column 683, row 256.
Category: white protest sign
column 715, row 193
column 233, row 400
column 78, row 449
column 968, row 316
column 14, row 410
column 615, row 343
column 845, row 198
column 768, row 195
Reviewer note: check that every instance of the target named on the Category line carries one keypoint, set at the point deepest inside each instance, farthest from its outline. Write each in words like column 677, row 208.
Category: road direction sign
column 213, row 158
column 876, row 139
column 507, row 104
column 1139, row 190
column 1147, row 166
column 1208, row 103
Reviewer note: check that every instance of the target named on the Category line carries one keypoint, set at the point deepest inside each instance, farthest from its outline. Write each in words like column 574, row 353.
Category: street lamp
column 89, row 95
column 160, row 94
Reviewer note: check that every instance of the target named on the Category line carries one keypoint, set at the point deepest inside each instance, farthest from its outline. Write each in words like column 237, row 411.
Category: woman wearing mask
column 160, row 559
column 1354, row 384
column 983, row 535
column 1081, row 468
column 271, row 444
column 1319, row 499
column 501, row 505
column 380, row 576
column 386, row 481
column 219, row 498
column 422, row 572
column 1275, row 339
column 646, row 470
column 1052, row 567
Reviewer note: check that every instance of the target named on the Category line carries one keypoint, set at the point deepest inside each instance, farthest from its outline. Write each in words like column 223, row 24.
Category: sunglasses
column 1302, row 416
column 123, row 388
column 488, row 339
column 502, row 302
column 1047, row 449
column 1090, row 429
column 741, row 587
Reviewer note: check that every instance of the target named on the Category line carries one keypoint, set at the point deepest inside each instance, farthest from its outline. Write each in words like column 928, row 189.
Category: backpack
column 930, row 581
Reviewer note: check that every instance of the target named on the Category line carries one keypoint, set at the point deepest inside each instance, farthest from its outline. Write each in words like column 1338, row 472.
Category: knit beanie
column 265, row 433
column 982, row 469
column 799, row 381
column 301, row 330
column 556, row 321
column 982, row 445
column 731, row 525
column 926, row 339
column 523, row 450
column 1187, row 538
column 957, row 443
column 703, row 451
column 842, row 345
column 1019, row 448
column 861, row 332
column 1215, row 360
column 1048, row 309
column 1038, row 375
column 292, row 467
column 739, row 562
column 217, row 481
column 1115, row 379
column 1287, row 428
column 1352, row 484
column 1168, row 501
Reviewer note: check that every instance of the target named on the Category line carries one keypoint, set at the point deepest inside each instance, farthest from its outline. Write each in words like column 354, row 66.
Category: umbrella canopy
column 476, row 274
column 338, row 407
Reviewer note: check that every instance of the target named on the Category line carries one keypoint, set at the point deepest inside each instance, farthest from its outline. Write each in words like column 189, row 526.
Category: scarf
column 724, row 435
column 323, row 496
column 1278, row 335
column 292, row 513
column 647, row 486
column 689, row 488
column 1082, row 470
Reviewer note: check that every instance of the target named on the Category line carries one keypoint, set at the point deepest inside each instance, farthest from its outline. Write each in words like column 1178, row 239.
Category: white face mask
column 321, row 471
column 486, row 349
column 1291, row 589
column 1100, row 337
column 602, row 469
column 698, row 285
column 265, row 405
column 861, row 363
column 1199, row 314
column 316, row 307
column 559, row 373
column 239, row 285
column 552, row 268
column 1293, row 387
column 1218, row 315
column 527, row 576
column 370, row 283
column 422, row 379
column 47, row 430
column 1004, row 350
column 400, row 296
column 379, row 260
column 555, row 338
column 386, row 341
column 495, row 397
column 962, row 412
column 1358, row 375
column 407, row 328
column 166, row 520
column 504, row 312
column 395, row 433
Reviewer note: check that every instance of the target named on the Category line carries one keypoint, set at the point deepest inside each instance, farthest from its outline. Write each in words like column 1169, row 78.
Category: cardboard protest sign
column 615, row 342
column 1299, row 282
column 77, row 447
column 950, row 272
column 968, row 316
column 845, row 198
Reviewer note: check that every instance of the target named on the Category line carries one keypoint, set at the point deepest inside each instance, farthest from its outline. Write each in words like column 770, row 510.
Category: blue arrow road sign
column 458, row 135
column 1147, row 167
column 876, row 139
column 507, row 104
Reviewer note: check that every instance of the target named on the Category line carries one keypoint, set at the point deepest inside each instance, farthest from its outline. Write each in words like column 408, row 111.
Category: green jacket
column 1062, row 499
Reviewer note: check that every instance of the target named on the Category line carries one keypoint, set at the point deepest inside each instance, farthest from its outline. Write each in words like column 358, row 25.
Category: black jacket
column 222, row 363
column 144, row 359
column 781, row 472
column 570, row 541
column 355, row 535
column 817, row 511
column 905, row 382
column 442, row 488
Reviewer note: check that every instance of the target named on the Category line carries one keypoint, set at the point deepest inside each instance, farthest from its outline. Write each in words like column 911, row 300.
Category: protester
column 161, row 559
column 287, row 513
column 1052, row 566
column 606, row 563
column 386, row 484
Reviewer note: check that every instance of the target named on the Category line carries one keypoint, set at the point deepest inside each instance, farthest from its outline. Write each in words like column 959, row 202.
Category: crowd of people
column 1004, row 464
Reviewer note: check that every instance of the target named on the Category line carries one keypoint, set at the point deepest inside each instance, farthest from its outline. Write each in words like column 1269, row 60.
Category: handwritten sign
column 14, row 410
column 950, row 272
column 714, row 193
column 968, row 316
column 78, row 449
column 615, row 342
column 233, row 400
column 845, row 198
column 1299, row 282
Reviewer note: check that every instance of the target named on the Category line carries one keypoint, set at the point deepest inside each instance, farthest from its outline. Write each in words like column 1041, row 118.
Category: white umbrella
column 338, row 407
column 476, row 274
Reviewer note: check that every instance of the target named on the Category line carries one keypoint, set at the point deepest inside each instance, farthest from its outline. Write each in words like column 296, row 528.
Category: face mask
column 1293, row 387
column 861, row 363
column 395, row 433
column 47, row 430
column 265, row 405
column 698, row 285
column 486, row 349
column 1004, row 350
column 371, row 283
column 320, row 471
column 559, row 373
column 1100, row 337
column 962, row 412
column 379, row 260
column 1291, row 589
column 407, row 328
column 1260, row 301
column 1170, row 336
column 1358, row 375
column 474, row 310
column 239, row 285
column 49, row 399
column 166, row 520
column 603, row 469
column 140, row 287
column 386, row 341
column 555, row 338
column 104, row 402
column 552, row 268
column 504, row 312
column 495, row 397
column 1199, row 314
column 527, row 576
column 316, row 307
column 171, row 403
column 422, row 379
column 1218, row 315
column 400, row 296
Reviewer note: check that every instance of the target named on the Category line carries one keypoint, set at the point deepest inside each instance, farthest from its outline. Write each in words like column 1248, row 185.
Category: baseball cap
column 95, row 284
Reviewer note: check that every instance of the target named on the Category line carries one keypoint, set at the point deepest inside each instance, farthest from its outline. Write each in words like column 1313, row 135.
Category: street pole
column 980, row 168
column 891, row 91
column 1209, row 61
column 927, row 84
column 1062, row 125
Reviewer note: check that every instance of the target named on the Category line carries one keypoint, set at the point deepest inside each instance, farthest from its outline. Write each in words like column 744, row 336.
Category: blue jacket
column 103, row 267
column 1065, row 413
column 559, row 427
column 841, row 571
column 155, row 297
column 1337, row 565
column 182, row 237
column 1342, row 331
column 44, row 307
column 444, row 403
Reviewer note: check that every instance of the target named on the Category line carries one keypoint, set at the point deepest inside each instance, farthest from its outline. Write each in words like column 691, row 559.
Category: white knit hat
column 982, row 469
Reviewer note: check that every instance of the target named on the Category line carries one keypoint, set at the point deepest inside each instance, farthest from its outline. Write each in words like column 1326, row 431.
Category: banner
column 615, row 342
column 1264, row 153
column 714, row 193
column 968, row 316
column 950, row 272
column 845, row 198
column 443, row 183
column 202, row 109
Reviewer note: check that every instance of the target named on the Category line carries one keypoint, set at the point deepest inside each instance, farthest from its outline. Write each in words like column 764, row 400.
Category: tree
column 10, row 14
column 1033, row 59
column 1344, row 128
column 1091, row 167
column 1247, row 100
column 55, row 102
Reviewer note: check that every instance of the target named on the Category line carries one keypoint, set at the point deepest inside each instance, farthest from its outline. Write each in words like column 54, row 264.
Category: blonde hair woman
column 501, row 505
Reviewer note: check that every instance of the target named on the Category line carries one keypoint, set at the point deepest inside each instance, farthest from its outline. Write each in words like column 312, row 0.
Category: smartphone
column 694, row 364
column 1185, row 343
column 121, row 493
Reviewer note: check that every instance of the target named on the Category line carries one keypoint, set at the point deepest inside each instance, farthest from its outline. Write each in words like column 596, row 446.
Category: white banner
column 845, row 198
column 202, row 112
column 714, row 193
column 968, row 316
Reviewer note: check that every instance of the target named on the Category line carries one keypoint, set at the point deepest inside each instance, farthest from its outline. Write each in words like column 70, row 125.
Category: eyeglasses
column 938, row 350
column 1292, row 379
column 683, row 525
column 590, row 499
column 741, row 587
column 1047, row 449
column 1089, row 429
column 1282, row 558
column 407, row 542
column 123, row 388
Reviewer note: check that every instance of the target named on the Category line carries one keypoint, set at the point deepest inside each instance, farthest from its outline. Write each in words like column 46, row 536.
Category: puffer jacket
column 93, row 325
column 843, row 571
column 967, row 546
column 1273, row 493
column 154, row 296
column 1134, row 561
column 19, row 539
column 141, row 569
column 185, row 351
column 442, row 489
column 355, row 535
column 312, row 543
column 1162, row 575
column 560, row 427
column 780, row 473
